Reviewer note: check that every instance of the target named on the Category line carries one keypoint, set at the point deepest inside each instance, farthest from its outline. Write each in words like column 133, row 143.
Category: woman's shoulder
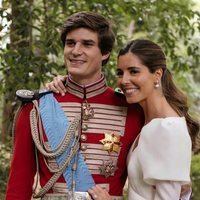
column 168, row 124
column 170, row 130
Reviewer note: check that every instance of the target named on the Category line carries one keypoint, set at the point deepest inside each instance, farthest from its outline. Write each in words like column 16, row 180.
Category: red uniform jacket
column 112, row 115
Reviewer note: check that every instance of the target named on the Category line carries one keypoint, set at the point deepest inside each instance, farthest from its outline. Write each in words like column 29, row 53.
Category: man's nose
column 77, row 49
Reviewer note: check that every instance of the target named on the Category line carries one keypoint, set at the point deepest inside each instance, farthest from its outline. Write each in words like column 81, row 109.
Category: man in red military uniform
column 98, row 125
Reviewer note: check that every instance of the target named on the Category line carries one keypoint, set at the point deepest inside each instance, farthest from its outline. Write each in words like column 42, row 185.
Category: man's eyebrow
column 88, row 41
column 83, row 40
column 68, row 39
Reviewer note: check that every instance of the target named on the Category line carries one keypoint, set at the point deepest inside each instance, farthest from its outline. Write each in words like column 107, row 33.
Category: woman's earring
column 157, row 85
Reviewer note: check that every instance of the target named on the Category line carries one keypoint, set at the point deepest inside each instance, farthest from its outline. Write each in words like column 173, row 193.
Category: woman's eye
column 119, row 74
column 133, row 71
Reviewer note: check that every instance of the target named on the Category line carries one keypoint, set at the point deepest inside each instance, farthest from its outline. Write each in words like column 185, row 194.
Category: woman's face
column 135, row 79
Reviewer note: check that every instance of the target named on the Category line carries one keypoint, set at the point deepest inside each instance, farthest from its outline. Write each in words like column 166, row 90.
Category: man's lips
column 77, row 61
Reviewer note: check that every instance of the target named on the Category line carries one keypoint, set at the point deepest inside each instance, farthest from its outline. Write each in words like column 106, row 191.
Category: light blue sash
column 55, row 125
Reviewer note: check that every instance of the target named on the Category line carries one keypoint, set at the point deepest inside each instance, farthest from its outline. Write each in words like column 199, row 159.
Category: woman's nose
column 125, row 78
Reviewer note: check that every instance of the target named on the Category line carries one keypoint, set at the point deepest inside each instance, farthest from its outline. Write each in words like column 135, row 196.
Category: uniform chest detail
column 111, row 142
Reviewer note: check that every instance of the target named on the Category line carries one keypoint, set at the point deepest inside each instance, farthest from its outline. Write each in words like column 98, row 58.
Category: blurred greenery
column 5, row 155
column 31, row 52
column 195, row 175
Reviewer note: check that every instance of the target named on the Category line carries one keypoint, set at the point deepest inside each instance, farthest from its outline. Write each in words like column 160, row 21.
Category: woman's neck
column 157, row 108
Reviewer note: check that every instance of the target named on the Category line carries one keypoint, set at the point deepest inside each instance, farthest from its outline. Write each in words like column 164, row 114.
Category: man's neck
column 85, row 82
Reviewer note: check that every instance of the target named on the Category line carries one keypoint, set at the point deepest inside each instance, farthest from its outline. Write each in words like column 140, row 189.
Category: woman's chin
column 131, row 100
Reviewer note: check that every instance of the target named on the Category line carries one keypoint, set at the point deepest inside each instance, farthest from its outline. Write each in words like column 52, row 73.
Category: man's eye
column 88, row 44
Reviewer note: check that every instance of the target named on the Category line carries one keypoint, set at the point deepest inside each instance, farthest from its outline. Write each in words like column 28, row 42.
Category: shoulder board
column 28, row 95
column 119, row 92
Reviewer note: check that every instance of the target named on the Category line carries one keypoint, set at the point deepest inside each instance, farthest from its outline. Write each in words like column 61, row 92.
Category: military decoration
column 111, row 142
column 87, row 111
column 108, row 168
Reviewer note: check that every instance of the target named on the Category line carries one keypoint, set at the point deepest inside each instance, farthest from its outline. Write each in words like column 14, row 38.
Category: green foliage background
column 31, row 52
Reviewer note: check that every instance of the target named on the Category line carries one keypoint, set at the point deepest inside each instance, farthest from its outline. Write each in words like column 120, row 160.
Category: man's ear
column 105, row 56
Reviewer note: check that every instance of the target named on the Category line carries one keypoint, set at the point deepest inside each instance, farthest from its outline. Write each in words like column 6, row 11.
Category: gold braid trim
column 34, row 130
column 72, row 129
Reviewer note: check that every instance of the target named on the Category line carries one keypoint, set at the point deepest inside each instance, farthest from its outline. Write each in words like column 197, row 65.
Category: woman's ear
column 158, row 74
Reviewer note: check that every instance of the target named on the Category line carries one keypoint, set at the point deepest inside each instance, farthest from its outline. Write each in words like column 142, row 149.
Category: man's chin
column 75, row 72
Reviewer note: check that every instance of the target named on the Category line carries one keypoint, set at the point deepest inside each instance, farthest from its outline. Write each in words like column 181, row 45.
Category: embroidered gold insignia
column 111, row 142
column 108, row 168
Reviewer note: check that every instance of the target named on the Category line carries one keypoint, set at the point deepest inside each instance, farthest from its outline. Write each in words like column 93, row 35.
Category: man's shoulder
column 30, row 95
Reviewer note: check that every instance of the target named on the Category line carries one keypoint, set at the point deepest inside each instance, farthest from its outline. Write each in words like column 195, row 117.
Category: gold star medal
column 111, row 142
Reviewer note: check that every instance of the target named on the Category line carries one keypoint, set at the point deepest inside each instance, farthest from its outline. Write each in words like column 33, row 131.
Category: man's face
column 82, row 56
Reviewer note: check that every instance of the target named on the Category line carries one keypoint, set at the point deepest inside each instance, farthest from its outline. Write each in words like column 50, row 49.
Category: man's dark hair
column 94, row 22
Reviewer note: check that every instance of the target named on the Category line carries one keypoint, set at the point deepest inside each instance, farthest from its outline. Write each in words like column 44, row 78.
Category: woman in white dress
column 159, row 160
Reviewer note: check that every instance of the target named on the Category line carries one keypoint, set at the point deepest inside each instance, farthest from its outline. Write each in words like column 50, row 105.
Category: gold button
column 83, row 137
column 84, row 127
column 83, row 147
